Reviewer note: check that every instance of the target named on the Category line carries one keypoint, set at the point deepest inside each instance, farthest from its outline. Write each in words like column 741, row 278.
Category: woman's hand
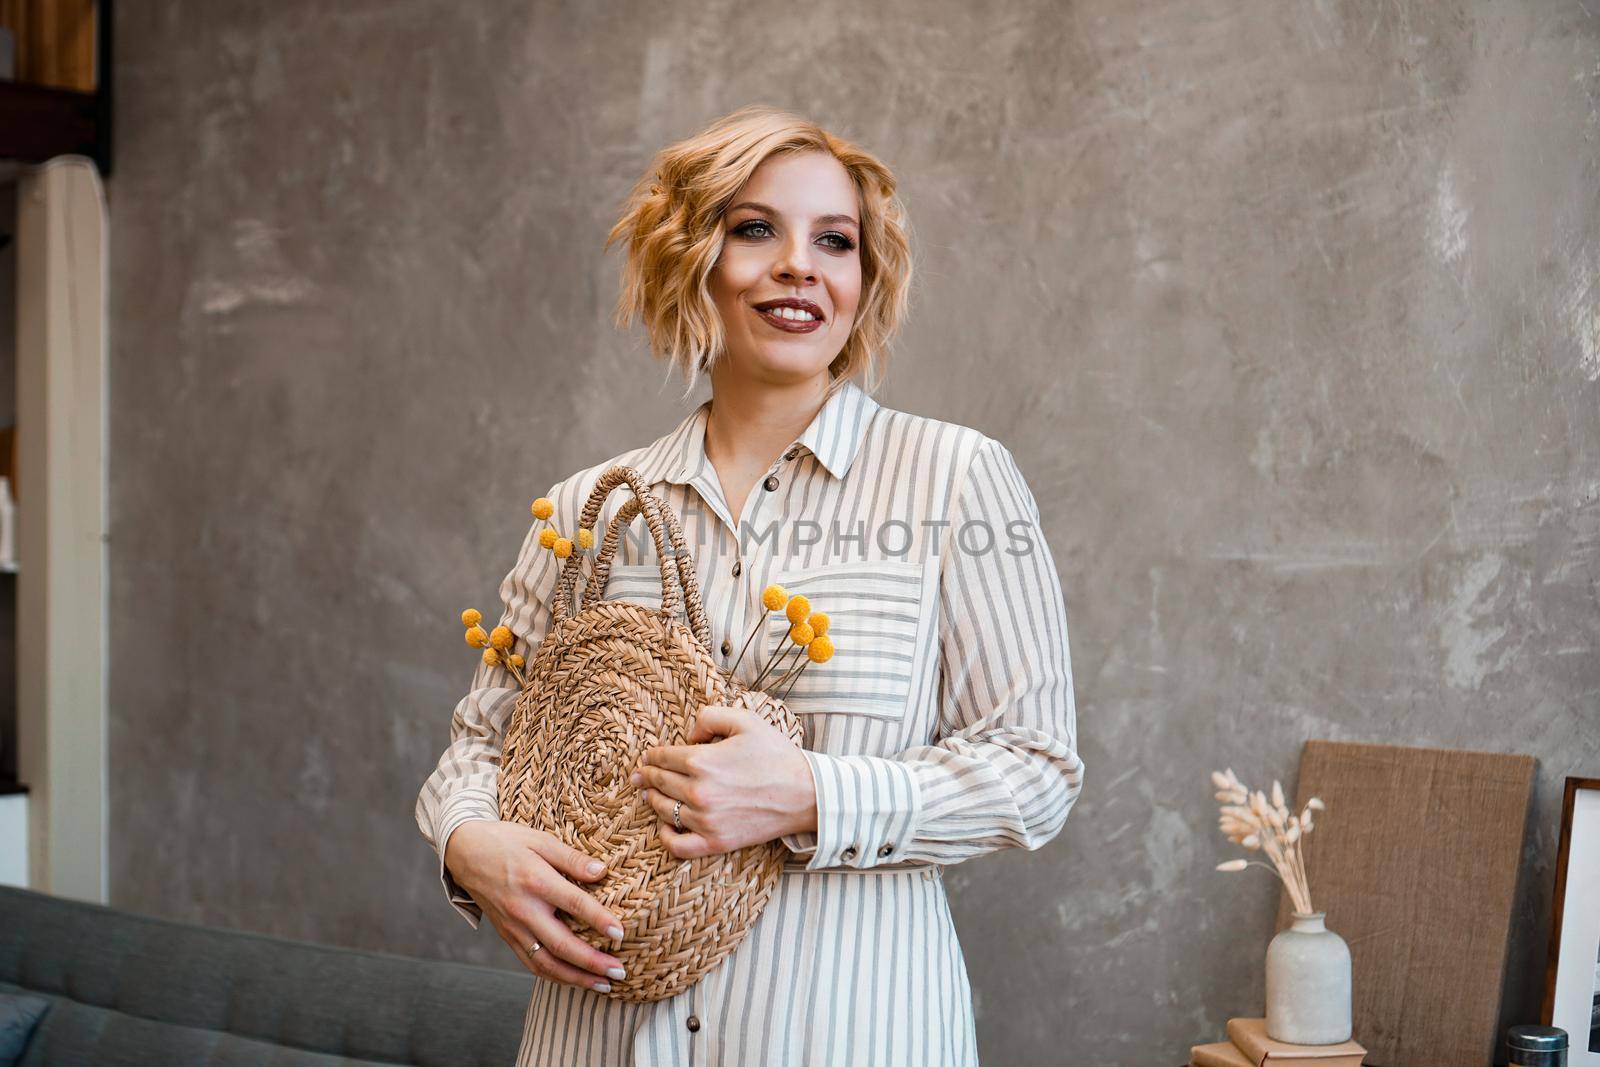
column 519, row 877
column 750, row 787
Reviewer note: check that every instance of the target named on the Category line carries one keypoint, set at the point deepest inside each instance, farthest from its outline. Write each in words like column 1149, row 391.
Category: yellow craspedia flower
column 801, row 634
column 547, row 537
column 799, row 607
column 476, row 637
column 500, row 637
column 585, row 537
column 563, row 547
column 774, row 597
column 819, row 623
column 543, row 508
column 820, row 650
column 491, row 657
column 517, row 661
column 471, row 617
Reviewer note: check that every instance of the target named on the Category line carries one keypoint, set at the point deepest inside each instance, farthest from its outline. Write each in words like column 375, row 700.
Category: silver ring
column 677, row 806
column 535, row 947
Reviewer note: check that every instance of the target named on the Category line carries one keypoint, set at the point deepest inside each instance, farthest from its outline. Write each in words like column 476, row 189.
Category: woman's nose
column 795, row 262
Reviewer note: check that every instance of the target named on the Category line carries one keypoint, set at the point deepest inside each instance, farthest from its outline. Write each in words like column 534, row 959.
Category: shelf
column 40, row 122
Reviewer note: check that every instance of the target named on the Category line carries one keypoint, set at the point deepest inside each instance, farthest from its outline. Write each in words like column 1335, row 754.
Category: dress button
column 793, row 452
column 693, row 1022
column 727, row 646
column 849, row 853
column 738, row 567
column 770, row 484
column 885, row 850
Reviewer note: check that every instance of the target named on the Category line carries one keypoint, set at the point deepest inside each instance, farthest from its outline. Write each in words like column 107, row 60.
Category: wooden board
column 1415, row 862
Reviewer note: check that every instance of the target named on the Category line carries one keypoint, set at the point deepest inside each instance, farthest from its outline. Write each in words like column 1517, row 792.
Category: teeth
column 792, row 313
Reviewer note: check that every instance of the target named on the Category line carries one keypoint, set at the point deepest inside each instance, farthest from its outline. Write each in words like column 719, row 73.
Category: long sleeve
column 465, row 783
column 1005, row 770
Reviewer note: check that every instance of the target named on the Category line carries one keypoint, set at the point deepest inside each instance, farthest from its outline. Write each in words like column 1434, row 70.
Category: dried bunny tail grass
column 1250, row 819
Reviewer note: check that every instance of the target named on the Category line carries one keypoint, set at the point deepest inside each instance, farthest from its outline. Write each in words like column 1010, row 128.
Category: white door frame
column 62, row 236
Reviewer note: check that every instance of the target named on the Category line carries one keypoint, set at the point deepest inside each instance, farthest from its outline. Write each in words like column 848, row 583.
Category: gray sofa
column 129, row 989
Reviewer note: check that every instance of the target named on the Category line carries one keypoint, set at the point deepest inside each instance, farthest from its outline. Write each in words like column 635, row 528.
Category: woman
column 943, row 728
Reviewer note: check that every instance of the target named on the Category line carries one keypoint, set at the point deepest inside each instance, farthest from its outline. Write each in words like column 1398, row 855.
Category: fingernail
column 616, row 972
column 595, row 866
column 615, row 932
column 637, row 778
column 602, row 987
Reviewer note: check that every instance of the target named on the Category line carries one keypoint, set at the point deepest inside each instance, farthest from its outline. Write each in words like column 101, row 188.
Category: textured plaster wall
column 1288, row 311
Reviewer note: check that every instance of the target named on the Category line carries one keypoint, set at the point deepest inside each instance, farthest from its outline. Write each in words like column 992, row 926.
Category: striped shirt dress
column 943, row 728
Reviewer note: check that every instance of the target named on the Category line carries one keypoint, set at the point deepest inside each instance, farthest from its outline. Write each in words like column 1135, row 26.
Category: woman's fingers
column 571, row 899
column 581, row 906
column 566, row 859
column 661, row 780
column 565, row 957
column 663, row 805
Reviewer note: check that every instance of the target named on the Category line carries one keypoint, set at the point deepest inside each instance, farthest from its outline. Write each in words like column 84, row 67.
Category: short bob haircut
column 672, row 221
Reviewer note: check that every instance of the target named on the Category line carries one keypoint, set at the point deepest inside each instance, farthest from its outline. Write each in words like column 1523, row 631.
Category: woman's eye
column 837, row 241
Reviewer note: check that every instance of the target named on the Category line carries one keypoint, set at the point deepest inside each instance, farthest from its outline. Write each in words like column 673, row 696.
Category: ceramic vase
column 1308, row 984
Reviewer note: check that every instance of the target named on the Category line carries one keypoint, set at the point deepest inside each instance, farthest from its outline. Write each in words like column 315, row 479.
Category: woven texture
column 610, row 680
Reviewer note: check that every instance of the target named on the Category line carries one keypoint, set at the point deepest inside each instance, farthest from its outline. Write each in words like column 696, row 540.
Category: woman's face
column 793, row 231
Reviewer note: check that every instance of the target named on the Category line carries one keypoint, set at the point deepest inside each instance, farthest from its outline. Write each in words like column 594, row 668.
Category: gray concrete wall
column 1288, row 311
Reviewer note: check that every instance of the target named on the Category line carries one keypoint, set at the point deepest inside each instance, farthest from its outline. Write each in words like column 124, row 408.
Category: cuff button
column 885, row 850
column 849, row 853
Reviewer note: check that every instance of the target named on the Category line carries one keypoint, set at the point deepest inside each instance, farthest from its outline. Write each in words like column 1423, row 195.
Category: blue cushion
column 19, row 1014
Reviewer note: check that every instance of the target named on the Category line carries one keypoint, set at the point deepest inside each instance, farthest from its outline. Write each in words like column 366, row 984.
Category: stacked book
column 1249, row 1046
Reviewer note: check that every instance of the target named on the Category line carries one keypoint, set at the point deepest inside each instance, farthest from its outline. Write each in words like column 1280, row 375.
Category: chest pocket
column 639, row 585
column 875, row 612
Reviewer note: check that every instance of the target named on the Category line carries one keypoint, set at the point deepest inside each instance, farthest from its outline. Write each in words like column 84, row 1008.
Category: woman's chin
column 786, row 360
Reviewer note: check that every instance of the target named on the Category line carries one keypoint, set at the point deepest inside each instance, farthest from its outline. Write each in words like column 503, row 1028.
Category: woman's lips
column 790, row 325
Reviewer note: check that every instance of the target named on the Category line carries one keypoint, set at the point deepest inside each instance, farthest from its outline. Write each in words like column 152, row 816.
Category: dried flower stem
column 778, row 654
column 1253, row 820
column 753, row 631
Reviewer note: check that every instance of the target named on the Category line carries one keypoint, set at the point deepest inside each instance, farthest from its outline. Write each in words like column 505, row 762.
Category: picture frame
column 1572, row 977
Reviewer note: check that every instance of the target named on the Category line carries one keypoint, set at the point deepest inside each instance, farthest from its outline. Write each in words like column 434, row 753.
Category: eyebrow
column 774, row 211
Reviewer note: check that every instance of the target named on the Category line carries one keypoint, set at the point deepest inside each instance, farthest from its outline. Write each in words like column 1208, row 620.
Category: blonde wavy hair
column 672, row 222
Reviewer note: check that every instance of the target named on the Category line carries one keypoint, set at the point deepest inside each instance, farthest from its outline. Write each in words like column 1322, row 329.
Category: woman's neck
column 751, row 422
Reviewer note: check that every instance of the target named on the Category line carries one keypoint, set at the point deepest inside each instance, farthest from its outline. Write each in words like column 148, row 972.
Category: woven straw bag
column 609, row 680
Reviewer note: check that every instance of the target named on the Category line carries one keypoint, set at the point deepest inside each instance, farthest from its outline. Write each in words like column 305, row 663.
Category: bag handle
column 601, row 571
column 679, row 586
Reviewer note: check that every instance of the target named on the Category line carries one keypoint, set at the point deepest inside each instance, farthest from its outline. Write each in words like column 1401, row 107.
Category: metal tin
column 1536, row 1046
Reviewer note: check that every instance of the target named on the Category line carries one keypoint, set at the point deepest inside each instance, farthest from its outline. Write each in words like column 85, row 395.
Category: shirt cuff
column 800, row 844
column 867, row 808
column 463, row 807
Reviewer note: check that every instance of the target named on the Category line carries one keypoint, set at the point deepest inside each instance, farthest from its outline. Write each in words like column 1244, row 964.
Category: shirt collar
column 834, row 437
